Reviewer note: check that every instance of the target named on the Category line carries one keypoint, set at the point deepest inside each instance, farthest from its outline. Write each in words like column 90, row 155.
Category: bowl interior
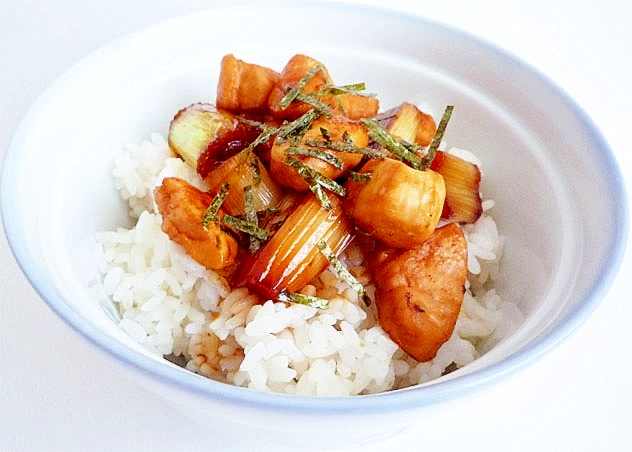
column 547, row 169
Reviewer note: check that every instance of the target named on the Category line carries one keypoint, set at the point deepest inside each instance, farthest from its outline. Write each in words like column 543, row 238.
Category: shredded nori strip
column 450, row 368
column 265, row 213
column 211, row 213
column 361, row 178
column 267, row 133
column 294, row 128
column 316, row 153
column 255, row 170
column 243, row 225
column 316, row 180
column 293, row 93
column 260, row 125
column 178, row 360
column 402, row 150
column 249, row 205
column 299, row 125
column 335, row 90
column 325, row 133
column 346, row 147
column 252, row 217
column 313, row 184
column 313, row 100
column 307, row 300
column 436, row 140
column 343, row 273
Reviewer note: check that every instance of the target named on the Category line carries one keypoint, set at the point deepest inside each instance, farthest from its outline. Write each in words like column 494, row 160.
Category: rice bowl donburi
column 333, row 333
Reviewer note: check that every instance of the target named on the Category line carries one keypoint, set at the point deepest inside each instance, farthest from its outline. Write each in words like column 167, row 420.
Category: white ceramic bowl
column 560, row 199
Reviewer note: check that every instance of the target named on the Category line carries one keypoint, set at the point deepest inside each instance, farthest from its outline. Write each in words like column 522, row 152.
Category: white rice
column 175, row 307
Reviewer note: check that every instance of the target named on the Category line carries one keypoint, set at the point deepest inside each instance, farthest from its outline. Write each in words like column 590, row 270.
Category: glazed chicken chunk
column 420, row 290
column 182, row 207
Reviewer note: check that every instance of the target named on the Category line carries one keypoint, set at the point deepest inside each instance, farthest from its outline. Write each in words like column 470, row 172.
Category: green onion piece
column 293, row 93
column 211, row 213
column 436, row 140
column 343, row 273
column 361, row 178
column 325, row 133
column 242, row 225
column 307, row 300
column 316, row 153
column 402, row 151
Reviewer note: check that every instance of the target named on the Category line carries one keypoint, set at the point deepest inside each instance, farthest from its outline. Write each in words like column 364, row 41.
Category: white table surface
column 58, row 393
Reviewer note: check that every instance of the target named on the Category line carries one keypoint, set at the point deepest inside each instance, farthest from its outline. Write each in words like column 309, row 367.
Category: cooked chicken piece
column 296, row 68
column 336, row 130
column 398, row 205
column 244, row 86
column 348, row 105
column 420, row 291
column 182, row 207
column 353, row 106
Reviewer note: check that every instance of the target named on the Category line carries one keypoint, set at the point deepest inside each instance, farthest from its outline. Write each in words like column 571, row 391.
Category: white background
column 58, row 393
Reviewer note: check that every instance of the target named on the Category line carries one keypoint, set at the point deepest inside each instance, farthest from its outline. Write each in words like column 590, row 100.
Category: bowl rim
column 408, row 398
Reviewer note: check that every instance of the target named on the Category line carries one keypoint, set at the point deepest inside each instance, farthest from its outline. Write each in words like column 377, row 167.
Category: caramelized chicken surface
column 420, row 290
column 337, row 129
column 182, row 207
column 244, row 86
column 400, row 206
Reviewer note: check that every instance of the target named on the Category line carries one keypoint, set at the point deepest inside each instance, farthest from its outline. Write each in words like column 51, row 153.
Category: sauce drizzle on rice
column 203, row 318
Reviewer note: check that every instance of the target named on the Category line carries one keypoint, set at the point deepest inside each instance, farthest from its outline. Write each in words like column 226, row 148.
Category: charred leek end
column 193, row 128
column 225, row 145
column 410, row 124
column 291, row 258
column 241, row 171
column 462, row 179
